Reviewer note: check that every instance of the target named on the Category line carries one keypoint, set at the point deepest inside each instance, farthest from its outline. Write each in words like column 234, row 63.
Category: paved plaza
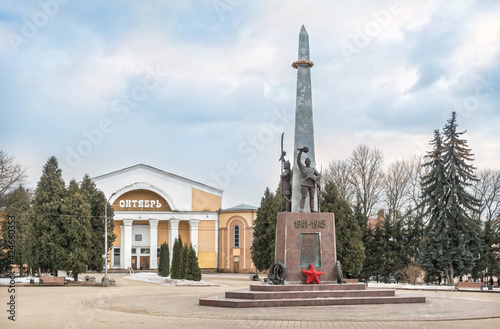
column 137, row 304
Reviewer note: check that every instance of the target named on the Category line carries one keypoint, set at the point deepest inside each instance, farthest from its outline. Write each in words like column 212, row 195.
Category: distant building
column 372, row 223
column 235, row 238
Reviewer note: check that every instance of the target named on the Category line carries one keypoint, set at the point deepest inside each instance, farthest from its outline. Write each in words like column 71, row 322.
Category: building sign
column 141, row 200
column 140, row 204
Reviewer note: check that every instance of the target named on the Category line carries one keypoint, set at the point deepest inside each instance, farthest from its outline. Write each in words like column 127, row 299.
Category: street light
column 106, row 280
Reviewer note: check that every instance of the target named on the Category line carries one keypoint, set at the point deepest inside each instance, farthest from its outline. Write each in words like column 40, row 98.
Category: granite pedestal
column 303, row 239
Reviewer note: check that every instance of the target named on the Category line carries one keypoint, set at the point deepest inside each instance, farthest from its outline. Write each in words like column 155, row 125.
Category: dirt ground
column 136, row 304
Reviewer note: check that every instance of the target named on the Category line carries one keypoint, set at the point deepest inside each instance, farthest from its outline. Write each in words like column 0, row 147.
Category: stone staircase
column 308, row 295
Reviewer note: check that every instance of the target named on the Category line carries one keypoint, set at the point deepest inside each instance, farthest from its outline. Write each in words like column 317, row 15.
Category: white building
column 153, row 206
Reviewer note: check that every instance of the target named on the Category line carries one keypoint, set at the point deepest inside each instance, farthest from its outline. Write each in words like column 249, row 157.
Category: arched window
column 236, row 236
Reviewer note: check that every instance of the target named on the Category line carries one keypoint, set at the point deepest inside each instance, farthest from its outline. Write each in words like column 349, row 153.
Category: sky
column 204, row 89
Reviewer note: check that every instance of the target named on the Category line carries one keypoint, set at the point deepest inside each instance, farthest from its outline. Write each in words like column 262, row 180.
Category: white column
column 122, row 249
column 127, row 242
column 153, row 243
column 193, row 233
column 173, row 233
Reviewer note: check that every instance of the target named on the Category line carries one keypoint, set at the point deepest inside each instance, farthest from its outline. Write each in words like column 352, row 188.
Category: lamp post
column 106, row 280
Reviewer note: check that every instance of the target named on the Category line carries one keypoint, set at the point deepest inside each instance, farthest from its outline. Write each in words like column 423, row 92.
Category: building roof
column 159, row 171
column 241, row 207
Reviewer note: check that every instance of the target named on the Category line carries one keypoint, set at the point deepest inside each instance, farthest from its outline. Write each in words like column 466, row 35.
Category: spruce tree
column 350, row 249
column 43, row 246
column 489, row 260
column 433, row 192
column 465, row 231
column 164, row 266
column 452, row 242
column 76, row 232
column 264, row 231
column 97, row 201
column 414, row 236
column 374, row 252
column 397, row 256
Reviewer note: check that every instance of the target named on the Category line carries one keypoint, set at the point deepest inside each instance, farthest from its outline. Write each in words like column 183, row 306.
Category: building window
column 116, row 257
column 236, row 236
column 134, row 250
column 158, row 252
column 144, row 250
column 138, row 237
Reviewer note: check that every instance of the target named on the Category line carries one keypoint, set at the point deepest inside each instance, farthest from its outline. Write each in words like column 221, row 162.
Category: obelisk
column 304, row 129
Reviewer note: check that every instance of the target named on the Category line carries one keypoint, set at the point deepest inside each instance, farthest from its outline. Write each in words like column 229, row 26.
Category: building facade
column 235, row 239
column 153, row 206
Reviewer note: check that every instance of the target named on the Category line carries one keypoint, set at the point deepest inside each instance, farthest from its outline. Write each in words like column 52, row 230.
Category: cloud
column 226, row 69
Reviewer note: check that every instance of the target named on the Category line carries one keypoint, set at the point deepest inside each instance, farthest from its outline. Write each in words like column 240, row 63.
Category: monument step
column 308, row 287
column 246, row 294
column 245, row 303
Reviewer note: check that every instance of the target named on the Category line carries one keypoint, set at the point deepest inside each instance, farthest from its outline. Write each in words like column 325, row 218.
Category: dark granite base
column 308, row 295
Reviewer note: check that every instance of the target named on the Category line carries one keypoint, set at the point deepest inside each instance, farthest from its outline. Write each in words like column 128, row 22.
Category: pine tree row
column 62, row 228
column 184, row 262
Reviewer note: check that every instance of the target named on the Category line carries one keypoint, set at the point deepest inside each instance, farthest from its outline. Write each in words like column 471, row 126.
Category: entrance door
column 236, row 264
column 134, row 262
column 144, row 262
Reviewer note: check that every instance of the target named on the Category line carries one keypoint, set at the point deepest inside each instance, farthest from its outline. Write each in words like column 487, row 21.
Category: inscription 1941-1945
column 313, row 223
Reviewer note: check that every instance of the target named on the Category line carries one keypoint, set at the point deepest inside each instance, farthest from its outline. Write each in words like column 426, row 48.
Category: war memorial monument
column 306, row 271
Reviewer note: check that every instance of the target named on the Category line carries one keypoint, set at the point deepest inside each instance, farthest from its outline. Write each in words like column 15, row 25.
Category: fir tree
column 374, row 252
column 350, row 249
column 397, row 256
column 452, row 242
column 264, row 232
column 97, row 201
column 489, row 260
column 177, row 263
column 76, row 232
column 414, row 236
column 433, row 193
column 43, row 246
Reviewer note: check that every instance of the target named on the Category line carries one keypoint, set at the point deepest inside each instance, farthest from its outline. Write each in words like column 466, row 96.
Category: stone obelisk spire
column 304, row 130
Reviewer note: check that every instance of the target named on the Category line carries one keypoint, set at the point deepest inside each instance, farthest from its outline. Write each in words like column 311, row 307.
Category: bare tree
column 11, row 173
column 338, row 173
column 415, row 189
column 397, row 188
column 366, row 175
column 487, row 190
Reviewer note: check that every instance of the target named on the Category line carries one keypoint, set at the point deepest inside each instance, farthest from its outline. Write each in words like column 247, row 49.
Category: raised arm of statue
column 304, row 149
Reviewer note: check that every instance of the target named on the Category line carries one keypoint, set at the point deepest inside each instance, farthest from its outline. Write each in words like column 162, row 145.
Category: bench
column 53, row 281
column 351, row 280
column 469, row 285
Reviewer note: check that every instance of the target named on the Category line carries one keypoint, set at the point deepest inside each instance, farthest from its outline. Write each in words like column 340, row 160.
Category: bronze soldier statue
column 286, row 186
column 286, row 176
column 310, row 178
